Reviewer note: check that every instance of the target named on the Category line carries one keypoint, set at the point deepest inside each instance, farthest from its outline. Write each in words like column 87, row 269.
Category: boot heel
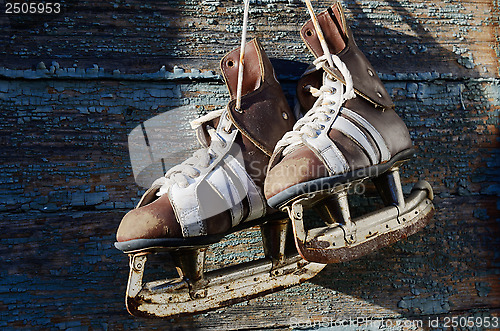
column 274, row 240
column 190, row 263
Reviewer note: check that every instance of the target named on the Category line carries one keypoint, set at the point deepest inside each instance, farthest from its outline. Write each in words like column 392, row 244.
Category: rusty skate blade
column 218, row 288
column 339, row 243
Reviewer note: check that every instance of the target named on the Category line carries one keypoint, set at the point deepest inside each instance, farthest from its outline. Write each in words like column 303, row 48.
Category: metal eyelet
column 285, row 115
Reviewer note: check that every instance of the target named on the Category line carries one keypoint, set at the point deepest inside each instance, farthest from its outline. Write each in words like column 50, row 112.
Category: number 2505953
column 32, row 8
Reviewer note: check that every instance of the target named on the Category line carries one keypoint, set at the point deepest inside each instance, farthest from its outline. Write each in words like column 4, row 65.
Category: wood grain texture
column 66, row 178
column 135, row 36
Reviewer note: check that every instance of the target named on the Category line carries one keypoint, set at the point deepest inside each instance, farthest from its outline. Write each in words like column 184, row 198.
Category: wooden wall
column 74, row 84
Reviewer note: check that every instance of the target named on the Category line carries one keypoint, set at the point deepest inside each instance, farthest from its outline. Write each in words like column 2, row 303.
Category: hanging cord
column 242, row 56
column 332, row 59
column 314, row 121
column 184, row 173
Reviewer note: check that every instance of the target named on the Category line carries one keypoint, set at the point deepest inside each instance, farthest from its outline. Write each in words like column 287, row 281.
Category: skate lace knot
column 326, row 106
column 184, row 173
column 322, row 63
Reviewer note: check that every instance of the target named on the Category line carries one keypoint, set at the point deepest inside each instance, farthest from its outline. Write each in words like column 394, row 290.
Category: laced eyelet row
column 201, row 159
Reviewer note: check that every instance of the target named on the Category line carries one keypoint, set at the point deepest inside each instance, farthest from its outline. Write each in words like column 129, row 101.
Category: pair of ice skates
column 258, row 160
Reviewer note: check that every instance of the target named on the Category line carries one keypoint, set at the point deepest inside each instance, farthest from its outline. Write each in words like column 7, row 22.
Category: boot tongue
column 341, row 42
column 333, row 31
column 264, row 116
column 252, row 71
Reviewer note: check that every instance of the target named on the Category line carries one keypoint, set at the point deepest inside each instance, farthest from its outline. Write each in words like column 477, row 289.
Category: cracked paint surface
column 69, row 102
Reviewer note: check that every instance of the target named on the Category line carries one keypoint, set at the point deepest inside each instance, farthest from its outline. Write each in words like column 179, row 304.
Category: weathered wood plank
column 408, row 36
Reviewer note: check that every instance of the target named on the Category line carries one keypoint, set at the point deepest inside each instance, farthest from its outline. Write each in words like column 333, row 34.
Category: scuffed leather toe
column 152, row 221
column 297, row 167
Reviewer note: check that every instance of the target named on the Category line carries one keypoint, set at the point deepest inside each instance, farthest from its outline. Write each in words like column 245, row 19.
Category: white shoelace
column 183, row 173
column 205, row 118
column 323, row 109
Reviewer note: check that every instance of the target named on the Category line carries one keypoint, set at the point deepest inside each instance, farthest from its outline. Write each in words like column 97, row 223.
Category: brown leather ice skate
column 220, row 187
column 217, row 191
column 350, row 133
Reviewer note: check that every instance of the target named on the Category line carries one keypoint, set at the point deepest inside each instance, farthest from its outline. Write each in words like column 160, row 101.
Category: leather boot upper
column 367, row 131
column 247, row 138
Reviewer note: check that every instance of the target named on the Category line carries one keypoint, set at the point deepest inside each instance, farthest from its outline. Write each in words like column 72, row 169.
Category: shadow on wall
column 392, row 51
